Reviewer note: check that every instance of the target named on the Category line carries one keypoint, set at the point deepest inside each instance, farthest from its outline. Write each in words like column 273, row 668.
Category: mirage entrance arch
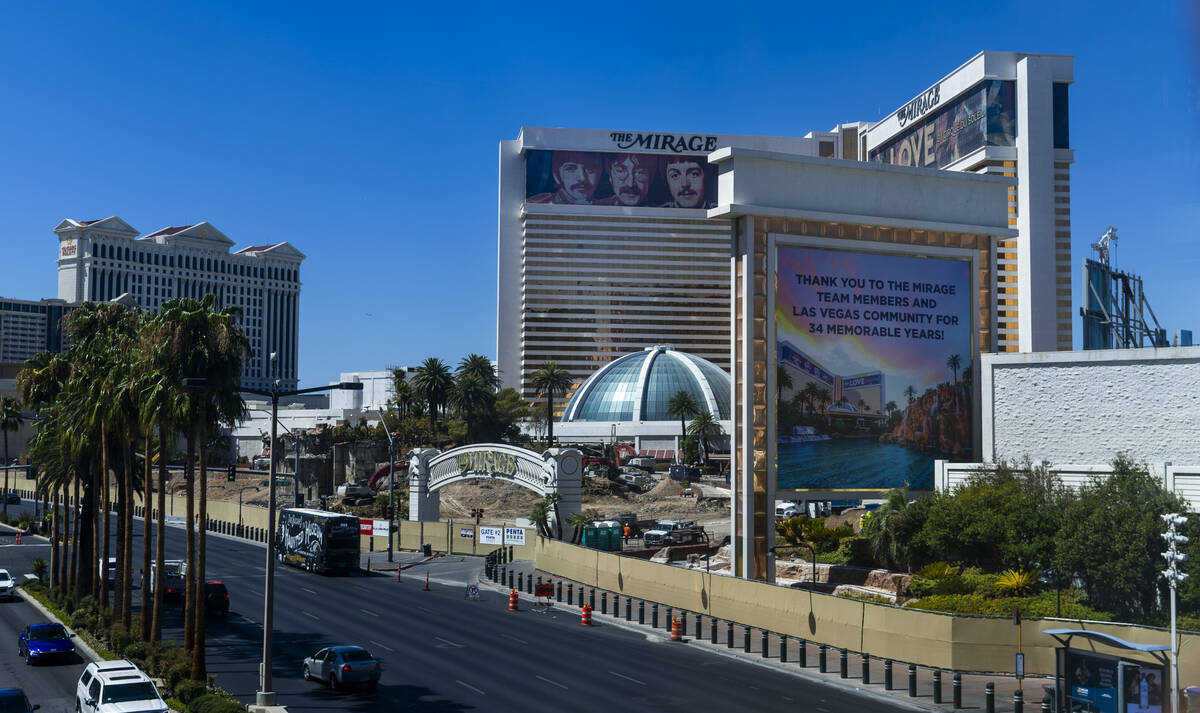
column 557, row 470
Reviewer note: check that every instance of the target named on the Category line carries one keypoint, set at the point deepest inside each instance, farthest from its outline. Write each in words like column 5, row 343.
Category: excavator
column 363, row 493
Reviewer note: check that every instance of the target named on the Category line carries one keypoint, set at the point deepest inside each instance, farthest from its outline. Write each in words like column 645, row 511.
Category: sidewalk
column 973, row 685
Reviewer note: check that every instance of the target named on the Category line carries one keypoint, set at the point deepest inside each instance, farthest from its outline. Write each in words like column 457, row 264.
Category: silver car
column 342, row 666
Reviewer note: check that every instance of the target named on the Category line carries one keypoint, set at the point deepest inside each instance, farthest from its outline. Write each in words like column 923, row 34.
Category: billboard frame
column 775, row 241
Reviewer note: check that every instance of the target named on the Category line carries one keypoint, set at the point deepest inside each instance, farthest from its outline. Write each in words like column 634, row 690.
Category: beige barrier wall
column 958, row 643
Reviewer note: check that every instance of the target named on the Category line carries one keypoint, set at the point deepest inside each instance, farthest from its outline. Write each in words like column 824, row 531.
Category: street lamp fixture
column 1174, row 578
column 265, row 695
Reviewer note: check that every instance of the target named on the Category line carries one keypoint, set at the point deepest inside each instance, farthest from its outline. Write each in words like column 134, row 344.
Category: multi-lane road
column 441, row 651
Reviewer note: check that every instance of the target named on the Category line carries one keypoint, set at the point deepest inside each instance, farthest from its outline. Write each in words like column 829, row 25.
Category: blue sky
column 367, row 135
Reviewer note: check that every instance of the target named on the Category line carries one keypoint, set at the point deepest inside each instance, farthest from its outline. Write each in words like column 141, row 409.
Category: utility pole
column 1174, row 578
column 391, row 483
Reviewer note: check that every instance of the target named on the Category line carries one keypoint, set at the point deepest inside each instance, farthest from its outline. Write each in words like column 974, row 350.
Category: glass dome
column 638, row 386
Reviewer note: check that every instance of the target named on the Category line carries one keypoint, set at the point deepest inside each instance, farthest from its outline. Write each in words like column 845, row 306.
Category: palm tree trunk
column 72, row 564
column 105, row 527
column 127, row 560
column 198, row 670
column 119, row 559
column 189, row 610
column 6, row 474
column 55, row 554
column 147, row 509
column 96, row 508
column 549, row 418
column 161, row 534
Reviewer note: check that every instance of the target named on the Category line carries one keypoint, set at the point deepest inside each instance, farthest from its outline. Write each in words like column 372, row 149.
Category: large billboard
column 983, row 116
column 620, row 179
column 874, row 353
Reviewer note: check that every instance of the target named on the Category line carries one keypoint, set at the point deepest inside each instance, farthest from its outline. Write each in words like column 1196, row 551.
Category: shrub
column 137, row 651
column 938, row 578
column 82, row 619
column 1042, row 605
column 215, row 703
column 1017, row 583
column 118, row 638
column 40, row 568
column 188, row 690
column 855, row 551
column 176, row 673
column 981, row 583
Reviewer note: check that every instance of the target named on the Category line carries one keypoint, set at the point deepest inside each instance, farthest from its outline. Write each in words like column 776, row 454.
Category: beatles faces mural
column 619, row 179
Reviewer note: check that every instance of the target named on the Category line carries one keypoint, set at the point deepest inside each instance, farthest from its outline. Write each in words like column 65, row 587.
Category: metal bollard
column 683, row 623
column 803, row 653
column 529, row 584
column 512, row 578
column 559, row 591
column 654, row 616
column 956, row 690
column 821, row 658
column 865, row 674
column 729, row 634
column 783, row 648
column 641, row 612
column 520, row 581
column 765, row 645
column 887, row 674
column 539, row 579
column 670, row 617
column 746, row 639
column 603, row 602
column 570, row 592
column 592, row 598
column 912, row 680
column 713, row 621
column 843, row 664
column 1046, row 705
column 989, row 698
column 1018, row 701
column 937, row 685
column 628, row 608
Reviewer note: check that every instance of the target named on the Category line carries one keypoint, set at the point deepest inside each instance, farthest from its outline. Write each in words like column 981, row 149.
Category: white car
column 7, row 585
column 117, row 687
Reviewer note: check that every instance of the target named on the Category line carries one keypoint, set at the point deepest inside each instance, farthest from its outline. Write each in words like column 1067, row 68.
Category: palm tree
column 824, row 398
column 472, row 399
column 682, row 405
column 481, row 367
column 702, row 428
column 550, row 381
column 404, row 398
column 10, row 420
column 783, row 380
column 954, row 362
column 578, row 521
column 910, row 393
column 432, row 382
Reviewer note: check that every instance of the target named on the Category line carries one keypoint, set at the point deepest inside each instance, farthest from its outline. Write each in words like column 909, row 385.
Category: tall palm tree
column 432, row 382
column 10, row 420
column 404, row 398
column 783, row 380
column 550, row 381
column 824, row 398
column 472, row 399
column 910, row 393
column 809, row 394
column 704, row 427
column 682, row 405
column 954, row 362
column 481, row 367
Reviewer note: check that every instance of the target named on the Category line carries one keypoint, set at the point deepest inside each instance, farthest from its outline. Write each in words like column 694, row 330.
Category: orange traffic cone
column 18, row 540
column 676, row 633
column 512, row 600
column 398, row 569
column 427, row 580
column 585, row 618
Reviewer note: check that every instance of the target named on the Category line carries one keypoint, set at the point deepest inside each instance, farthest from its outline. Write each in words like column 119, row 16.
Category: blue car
column 43, row 642
column 13, row 700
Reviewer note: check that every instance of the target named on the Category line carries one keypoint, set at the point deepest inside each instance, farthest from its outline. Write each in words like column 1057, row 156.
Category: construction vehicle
column 363, row 492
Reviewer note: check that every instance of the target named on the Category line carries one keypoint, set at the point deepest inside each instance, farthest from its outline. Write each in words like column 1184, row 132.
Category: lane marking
column 368, row 613
column 310, row 591
column 448, row 643
column 426, row 610
column 556, row 683
column 789, row 700
column 519, row 641
column 467, row 685
column 382, row 646
column 627, row 678
column 314, row 616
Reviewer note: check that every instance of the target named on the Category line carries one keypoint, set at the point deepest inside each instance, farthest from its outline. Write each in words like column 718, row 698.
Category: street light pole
column 391, row 481
column 1174, row 578
column 265, row 696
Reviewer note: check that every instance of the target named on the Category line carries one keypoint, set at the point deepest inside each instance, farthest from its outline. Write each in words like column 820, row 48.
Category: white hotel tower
column 101, row 260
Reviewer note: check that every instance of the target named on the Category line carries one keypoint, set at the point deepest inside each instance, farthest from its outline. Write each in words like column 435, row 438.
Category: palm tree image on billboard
column 873, row 368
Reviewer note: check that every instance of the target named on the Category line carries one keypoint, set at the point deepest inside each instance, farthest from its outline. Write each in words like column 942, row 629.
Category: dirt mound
column 666, row 488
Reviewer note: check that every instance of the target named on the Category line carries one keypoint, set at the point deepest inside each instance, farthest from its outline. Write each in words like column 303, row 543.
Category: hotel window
column 1062, row 123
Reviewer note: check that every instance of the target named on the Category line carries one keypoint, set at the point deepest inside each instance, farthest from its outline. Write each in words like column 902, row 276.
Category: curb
column 80, row 645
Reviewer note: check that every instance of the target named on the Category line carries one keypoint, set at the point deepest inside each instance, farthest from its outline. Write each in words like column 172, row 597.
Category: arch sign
column 557, row 470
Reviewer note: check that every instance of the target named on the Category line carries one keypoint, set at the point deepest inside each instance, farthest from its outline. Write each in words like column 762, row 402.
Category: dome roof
column 637, row 387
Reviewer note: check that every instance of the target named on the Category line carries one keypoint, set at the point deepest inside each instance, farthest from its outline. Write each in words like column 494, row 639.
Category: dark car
column 14, row 498
column 44, row 642
column 216, row 597
column 13, row 700
column 343, row 665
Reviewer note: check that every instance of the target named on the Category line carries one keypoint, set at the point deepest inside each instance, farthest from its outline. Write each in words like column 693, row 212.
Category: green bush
column 82, row 619
column 215, row 703
column 1038, row 606
column 855, row 551
column 188, row 690
column 176, row 673
column 938, row 578
column 980, row 582
column 137, row 651
column 40, row 568
column 118, row 638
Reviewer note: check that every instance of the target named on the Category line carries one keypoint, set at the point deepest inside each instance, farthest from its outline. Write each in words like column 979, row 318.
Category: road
column 443, row 652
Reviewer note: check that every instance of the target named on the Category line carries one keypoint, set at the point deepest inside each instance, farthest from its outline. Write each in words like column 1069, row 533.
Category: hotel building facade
column 586, row 274
column 100, row 260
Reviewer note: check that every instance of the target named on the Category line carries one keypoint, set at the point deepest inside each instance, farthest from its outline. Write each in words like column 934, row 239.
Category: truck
column 174, row 578
column 317, row 541
column 673, row 532
column 637, row 481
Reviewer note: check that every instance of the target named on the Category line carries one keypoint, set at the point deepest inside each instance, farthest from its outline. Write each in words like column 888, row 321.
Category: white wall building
column 377, row 390
column 103, row 259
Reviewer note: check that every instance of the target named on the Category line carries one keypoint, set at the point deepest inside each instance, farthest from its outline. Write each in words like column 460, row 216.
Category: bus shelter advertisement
column 874, row 355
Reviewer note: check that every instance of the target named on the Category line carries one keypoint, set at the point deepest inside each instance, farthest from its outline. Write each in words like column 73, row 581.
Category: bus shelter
column 1092, row 682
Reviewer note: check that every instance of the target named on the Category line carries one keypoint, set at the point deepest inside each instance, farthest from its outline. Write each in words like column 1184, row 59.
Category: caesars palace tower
column 605, row 244
column 100, row 260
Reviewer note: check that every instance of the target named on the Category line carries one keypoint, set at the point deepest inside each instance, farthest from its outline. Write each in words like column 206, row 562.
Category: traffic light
column 231, row 473
column 477, row 513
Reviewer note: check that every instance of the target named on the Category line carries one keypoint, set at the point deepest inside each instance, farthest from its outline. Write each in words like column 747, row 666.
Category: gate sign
column 490, row 536
column 382, row 528
column 365, row 526
column 514, row 535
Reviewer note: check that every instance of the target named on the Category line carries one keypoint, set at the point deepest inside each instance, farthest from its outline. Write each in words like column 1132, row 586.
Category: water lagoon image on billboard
column 874, row 354
column 620, row 179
